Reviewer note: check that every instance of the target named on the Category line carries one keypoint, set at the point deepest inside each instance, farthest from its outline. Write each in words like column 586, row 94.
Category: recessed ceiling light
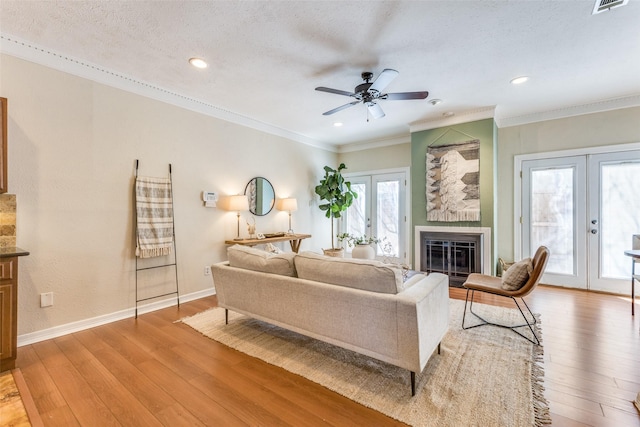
column 449, row 114
column 435, row 101
column 337, row 124
column 198, row 62
column 519, row 80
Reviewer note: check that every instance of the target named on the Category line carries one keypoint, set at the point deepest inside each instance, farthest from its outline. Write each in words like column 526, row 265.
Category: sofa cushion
column 368, row 275
column 517, row 275
column 257, row 260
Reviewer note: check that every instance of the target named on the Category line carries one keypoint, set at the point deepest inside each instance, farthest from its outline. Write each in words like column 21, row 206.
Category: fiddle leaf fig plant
column 337, row 194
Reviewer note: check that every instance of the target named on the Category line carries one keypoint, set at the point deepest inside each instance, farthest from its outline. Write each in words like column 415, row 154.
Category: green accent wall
column 483, row 130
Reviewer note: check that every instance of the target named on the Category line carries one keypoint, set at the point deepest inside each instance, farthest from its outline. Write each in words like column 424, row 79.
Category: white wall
column 72, row 150
column 589, row 130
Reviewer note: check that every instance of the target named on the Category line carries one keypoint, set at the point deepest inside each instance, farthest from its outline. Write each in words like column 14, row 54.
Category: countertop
column 12, row 251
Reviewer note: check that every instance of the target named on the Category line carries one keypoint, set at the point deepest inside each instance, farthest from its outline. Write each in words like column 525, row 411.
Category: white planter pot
column 363, row 252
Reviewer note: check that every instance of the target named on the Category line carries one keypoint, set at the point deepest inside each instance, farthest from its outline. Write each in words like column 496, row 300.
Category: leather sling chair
column 493, row 285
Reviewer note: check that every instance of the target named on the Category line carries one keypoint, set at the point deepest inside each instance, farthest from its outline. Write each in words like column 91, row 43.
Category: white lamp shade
column 238, row 203
column 289, row 204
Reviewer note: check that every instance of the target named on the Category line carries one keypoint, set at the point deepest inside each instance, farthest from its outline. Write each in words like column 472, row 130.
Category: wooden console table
column 293, row 239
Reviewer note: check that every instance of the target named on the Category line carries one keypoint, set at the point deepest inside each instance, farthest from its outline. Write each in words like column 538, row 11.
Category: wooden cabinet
column 8, row 312
column 9, row 306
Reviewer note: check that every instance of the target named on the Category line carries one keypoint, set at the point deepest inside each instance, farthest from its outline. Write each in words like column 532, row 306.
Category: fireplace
column 454, row 251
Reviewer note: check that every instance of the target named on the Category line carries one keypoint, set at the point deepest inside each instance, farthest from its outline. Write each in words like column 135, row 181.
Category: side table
column 635, row 257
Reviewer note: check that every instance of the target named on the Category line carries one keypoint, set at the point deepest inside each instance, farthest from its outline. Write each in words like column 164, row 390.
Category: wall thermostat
column 209, row 198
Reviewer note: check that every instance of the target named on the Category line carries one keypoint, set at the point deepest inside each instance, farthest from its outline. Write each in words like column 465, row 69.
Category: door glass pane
column 356, row 214
column 552, row 217
column 387, row 218
column 619, row 204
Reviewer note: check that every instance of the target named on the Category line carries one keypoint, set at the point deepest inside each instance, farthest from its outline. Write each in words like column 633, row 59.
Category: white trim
column 517, row 207
column 517, row 181
column 484, row 231
column 81, row 325
column 22, row 49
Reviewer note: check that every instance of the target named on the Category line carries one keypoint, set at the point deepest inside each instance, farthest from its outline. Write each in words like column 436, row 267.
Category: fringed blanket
column 154, row 210
column 453, row 181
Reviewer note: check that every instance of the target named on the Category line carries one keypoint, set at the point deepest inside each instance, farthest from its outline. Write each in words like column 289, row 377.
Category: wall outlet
column 207, row 270
column 46, row 299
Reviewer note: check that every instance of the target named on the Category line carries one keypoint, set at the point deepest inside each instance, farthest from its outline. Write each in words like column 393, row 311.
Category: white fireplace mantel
column 484, row 231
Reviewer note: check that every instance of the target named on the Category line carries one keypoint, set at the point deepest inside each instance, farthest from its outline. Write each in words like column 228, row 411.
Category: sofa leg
column 439, row 348
column 226, row 316
column 413, row 383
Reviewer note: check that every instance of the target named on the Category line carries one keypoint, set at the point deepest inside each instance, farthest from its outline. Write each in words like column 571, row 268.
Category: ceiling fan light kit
column 369, row 93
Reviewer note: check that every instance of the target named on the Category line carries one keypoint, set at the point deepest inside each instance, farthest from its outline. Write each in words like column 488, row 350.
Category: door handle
column 594, row 221
column 594, row 231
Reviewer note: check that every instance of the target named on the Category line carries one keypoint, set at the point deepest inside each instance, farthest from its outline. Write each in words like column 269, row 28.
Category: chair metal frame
column 491, row 285
column 513, row 328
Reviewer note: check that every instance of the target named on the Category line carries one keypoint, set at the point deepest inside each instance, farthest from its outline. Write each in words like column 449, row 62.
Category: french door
column 380, row 211
column 585, row 209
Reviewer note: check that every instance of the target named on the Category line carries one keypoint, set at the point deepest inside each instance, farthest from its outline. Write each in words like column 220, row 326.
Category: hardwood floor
column 151, row 371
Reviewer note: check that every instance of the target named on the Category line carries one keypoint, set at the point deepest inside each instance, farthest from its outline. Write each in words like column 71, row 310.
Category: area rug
column 484, row 376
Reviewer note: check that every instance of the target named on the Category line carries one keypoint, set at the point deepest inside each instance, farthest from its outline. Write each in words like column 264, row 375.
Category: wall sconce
column 289, row 204
column 239, row 204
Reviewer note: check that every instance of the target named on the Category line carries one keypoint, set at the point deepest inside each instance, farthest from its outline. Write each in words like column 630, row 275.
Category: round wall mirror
column 261, row 196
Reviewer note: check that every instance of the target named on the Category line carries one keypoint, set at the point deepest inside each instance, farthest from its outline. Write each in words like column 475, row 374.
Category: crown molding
column 575, row 110
column 376, row 143
column 14, row 46
column 458, row 118
column 22, row 49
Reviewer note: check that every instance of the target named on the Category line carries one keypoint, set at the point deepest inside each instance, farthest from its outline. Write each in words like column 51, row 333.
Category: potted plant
column 362, row 245
column 338, row 196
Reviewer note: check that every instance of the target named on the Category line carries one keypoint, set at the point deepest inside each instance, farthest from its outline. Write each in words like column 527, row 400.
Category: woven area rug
column 484, row 376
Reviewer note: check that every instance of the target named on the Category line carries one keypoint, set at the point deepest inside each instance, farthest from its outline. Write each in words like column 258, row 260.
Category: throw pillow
column 257, row 260
column 517, row 275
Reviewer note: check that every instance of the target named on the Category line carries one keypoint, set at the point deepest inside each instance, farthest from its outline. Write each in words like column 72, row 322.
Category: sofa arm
column 423, row 315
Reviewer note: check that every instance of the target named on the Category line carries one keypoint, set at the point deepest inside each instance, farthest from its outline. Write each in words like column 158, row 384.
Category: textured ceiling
column 266, row 58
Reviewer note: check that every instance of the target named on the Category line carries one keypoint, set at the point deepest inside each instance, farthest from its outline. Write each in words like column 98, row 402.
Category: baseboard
column 69, row 328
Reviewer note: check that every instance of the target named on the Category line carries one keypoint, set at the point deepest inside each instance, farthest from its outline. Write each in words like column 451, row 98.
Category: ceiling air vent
column 604, row 5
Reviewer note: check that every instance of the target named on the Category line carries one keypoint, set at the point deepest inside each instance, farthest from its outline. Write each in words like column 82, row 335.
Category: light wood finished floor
column 156, row 372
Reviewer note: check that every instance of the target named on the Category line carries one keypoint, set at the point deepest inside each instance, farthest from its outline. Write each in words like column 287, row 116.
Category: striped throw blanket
column 154, row 210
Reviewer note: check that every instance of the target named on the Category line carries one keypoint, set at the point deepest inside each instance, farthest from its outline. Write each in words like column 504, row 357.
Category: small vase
column 363, row 252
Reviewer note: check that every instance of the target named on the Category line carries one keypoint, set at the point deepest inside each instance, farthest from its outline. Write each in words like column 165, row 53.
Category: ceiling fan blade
column 340, row 108
column 405, row 95
column 386, row 76
column 336, row 91
column 376, row 111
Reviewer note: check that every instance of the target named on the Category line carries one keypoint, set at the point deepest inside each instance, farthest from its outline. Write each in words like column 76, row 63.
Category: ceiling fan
column 369, row 93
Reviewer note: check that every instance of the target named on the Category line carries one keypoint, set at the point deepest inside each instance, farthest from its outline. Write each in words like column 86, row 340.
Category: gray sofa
column 364, row 306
